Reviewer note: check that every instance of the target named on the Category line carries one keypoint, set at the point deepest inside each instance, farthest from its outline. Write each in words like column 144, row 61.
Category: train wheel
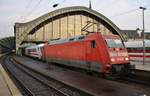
column 110, row 76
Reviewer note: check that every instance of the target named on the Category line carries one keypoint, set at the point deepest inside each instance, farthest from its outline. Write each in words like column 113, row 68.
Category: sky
column 124, row 13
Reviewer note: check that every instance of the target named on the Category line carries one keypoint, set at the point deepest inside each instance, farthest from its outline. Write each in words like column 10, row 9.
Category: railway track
column 35, row 84
column 137, row 86
column 139, row 76
column 69, row 91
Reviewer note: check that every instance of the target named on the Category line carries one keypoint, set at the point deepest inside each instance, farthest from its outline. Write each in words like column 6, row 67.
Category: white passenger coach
column 135, row 50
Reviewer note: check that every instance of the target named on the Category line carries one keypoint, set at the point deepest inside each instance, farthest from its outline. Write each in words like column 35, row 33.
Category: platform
column 140, row 66
column 7, row 87
column 4, row 91
column 93, row 85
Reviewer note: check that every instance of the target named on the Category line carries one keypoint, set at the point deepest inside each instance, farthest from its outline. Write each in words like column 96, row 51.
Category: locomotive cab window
column 80, row 38
column 71, row 39
column 93, row 44
column 113, row 43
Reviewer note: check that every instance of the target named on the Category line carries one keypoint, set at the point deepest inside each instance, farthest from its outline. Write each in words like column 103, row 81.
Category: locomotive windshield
column 113, row 43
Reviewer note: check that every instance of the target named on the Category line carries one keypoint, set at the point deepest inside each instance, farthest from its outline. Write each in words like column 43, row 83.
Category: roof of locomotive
column 74, row 38
column 137, row 43
column 111, row 36
column 78, row 38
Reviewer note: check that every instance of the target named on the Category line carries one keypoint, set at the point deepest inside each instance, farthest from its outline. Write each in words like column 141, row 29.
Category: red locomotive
column 94, row 52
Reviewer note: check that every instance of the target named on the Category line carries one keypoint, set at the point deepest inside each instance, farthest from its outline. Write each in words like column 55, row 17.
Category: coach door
column 90, row 48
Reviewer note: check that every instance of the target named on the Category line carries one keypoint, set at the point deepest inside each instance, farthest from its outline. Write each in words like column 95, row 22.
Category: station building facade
column 63, row 23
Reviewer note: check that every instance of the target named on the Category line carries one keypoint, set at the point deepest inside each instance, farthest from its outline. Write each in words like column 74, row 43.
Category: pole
column 90, row 5
column 143, row 31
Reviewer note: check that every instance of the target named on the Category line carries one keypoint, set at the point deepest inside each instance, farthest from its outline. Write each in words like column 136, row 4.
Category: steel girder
column 23, row 29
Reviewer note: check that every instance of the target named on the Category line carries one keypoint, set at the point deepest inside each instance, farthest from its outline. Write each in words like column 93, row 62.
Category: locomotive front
column 119, row 60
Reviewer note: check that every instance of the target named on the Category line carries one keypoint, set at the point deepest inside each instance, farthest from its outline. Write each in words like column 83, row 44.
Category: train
column 135, row 51
column 34, row 51
column 94, row 52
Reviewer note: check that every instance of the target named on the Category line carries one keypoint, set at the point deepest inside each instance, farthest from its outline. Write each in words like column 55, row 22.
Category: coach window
column 80, row 38
column 147, row 48
column 93, row 44
column 71, row 39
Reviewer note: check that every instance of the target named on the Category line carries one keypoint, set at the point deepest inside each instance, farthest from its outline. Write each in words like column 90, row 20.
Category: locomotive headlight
column 127, row 58
column 112, row 60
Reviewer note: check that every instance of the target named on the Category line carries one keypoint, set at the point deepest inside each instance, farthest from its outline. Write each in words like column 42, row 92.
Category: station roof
column 7, row 43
